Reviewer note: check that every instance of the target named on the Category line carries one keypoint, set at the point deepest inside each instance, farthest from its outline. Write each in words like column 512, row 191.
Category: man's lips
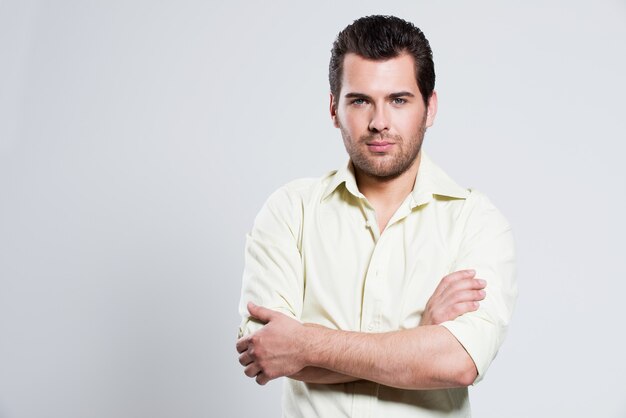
column 379, row 146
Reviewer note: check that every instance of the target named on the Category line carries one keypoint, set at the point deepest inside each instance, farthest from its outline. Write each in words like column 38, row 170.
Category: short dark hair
column 379, row 38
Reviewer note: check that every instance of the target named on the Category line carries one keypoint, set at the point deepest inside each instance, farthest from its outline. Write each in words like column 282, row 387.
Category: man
column 383, row 289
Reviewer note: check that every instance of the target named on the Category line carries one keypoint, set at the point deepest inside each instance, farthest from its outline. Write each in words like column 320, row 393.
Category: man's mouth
column 379, row 146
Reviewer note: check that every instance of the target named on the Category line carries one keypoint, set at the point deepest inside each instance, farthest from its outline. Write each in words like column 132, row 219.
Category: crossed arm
column 424, row 357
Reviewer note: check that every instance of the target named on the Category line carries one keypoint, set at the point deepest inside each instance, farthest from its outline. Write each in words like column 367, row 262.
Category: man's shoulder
column 295, row 196
column 478, row 208
column 303, row 185
column 471, row 201
column 302, row 189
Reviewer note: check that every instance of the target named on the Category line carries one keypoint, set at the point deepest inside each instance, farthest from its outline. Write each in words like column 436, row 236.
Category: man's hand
column 275, row 350
column 456, row 294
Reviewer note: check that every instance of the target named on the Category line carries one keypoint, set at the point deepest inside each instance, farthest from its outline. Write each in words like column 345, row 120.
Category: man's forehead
column 387, row 75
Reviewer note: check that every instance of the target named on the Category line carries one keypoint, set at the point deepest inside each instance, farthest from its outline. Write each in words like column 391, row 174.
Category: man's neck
column 386, row 195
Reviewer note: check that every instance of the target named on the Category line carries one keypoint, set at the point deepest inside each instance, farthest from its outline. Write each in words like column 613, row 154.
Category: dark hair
column 380, row 38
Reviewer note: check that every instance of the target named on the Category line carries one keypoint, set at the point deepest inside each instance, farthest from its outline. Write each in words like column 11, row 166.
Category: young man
column 384, row 288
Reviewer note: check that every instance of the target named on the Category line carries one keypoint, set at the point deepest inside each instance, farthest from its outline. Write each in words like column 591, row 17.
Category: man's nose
column 379, row 120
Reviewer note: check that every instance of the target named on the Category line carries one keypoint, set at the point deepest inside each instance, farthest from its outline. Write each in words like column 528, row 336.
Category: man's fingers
column 457, row 275
column 456, row 294
column 464, row 307
column 451, row 278
column 468, row 296
column 242, row 344
column 464, row 284
column 252, row 370
column 260, row 313
column 245, row 358
column 262, row 378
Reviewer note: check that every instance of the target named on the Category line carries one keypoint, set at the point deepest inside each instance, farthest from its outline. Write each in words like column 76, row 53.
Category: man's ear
column 333, row 111
column 431, row 111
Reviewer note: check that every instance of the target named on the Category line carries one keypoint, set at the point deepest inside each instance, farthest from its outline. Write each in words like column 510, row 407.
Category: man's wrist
column 311, row 336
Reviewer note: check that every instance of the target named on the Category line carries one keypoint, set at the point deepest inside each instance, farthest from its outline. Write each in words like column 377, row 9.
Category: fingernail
column 471, row 272
column 482, row 282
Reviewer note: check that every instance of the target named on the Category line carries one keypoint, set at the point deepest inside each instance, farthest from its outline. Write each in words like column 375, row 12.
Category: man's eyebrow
column 354, row 95
column 401, row 94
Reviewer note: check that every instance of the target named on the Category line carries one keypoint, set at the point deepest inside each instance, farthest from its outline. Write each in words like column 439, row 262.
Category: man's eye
column 359, row 101
column 399, row 100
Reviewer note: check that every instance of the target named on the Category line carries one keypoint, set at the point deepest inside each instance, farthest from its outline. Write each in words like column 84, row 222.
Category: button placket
column 372, row 304
column 369, row 292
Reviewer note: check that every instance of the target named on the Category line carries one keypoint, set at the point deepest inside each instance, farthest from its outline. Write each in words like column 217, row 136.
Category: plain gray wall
column 138, row 139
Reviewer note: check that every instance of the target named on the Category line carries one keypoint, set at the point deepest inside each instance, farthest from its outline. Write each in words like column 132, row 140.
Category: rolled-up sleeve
column 485, row 245
column 273, row 275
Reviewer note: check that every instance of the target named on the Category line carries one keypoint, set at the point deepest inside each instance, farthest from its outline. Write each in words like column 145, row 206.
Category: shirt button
column 370, row 327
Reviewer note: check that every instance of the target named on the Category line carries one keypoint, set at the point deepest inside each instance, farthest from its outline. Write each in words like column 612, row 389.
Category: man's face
column 381, row 114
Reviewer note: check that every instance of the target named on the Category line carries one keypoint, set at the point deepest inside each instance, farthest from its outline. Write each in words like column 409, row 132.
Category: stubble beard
column 383, row 167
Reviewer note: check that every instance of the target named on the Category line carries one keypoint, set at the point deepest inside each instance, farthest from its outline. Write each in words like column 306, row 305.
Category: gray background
column 138, row 139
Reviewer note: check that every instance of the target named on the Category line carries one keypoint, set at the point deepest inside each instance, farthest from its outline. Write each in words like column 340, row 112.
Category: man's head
column 382, row 97
column 380, row 38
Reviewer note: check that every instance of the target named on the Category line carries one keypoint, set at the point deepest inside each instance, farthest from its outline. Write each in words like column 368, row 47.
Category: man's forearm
column 321, row 376
column 458, row 292
column 426, row 357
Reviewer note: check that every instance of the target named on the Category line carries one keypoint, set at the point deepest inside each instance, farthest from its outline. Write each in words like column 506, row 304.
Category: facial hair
column 384, row 167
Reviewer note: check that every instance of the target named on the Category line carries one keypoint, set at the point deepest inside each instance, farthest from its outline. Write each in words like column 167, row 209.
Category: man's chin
column 383, row 173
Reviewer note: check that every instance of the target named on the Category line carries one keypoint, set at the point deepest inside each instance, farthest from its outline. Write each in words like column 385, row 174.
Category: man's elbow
column 459, row 371
column 466, row 373
column 454, row 373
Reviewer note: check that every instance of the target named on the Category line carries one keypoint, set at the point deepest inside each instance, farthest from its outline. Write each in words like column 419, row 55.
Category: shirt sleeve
column 273, row 273
column 486, row 245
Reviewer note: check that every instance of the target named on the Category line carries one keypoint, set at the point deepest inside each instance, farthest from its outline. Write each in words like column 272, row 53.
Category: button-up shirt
column 315, row 253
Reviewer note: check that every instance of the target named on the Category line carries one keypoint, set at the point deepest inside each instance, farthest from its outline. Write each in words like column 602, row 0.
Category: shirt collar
column 433, row 181
column 430, row 181
column 345, row 175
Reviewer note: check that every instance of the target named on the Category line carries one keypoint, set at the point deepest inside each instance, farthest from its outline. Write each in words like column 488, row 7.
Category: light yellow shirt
column 315, row 253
